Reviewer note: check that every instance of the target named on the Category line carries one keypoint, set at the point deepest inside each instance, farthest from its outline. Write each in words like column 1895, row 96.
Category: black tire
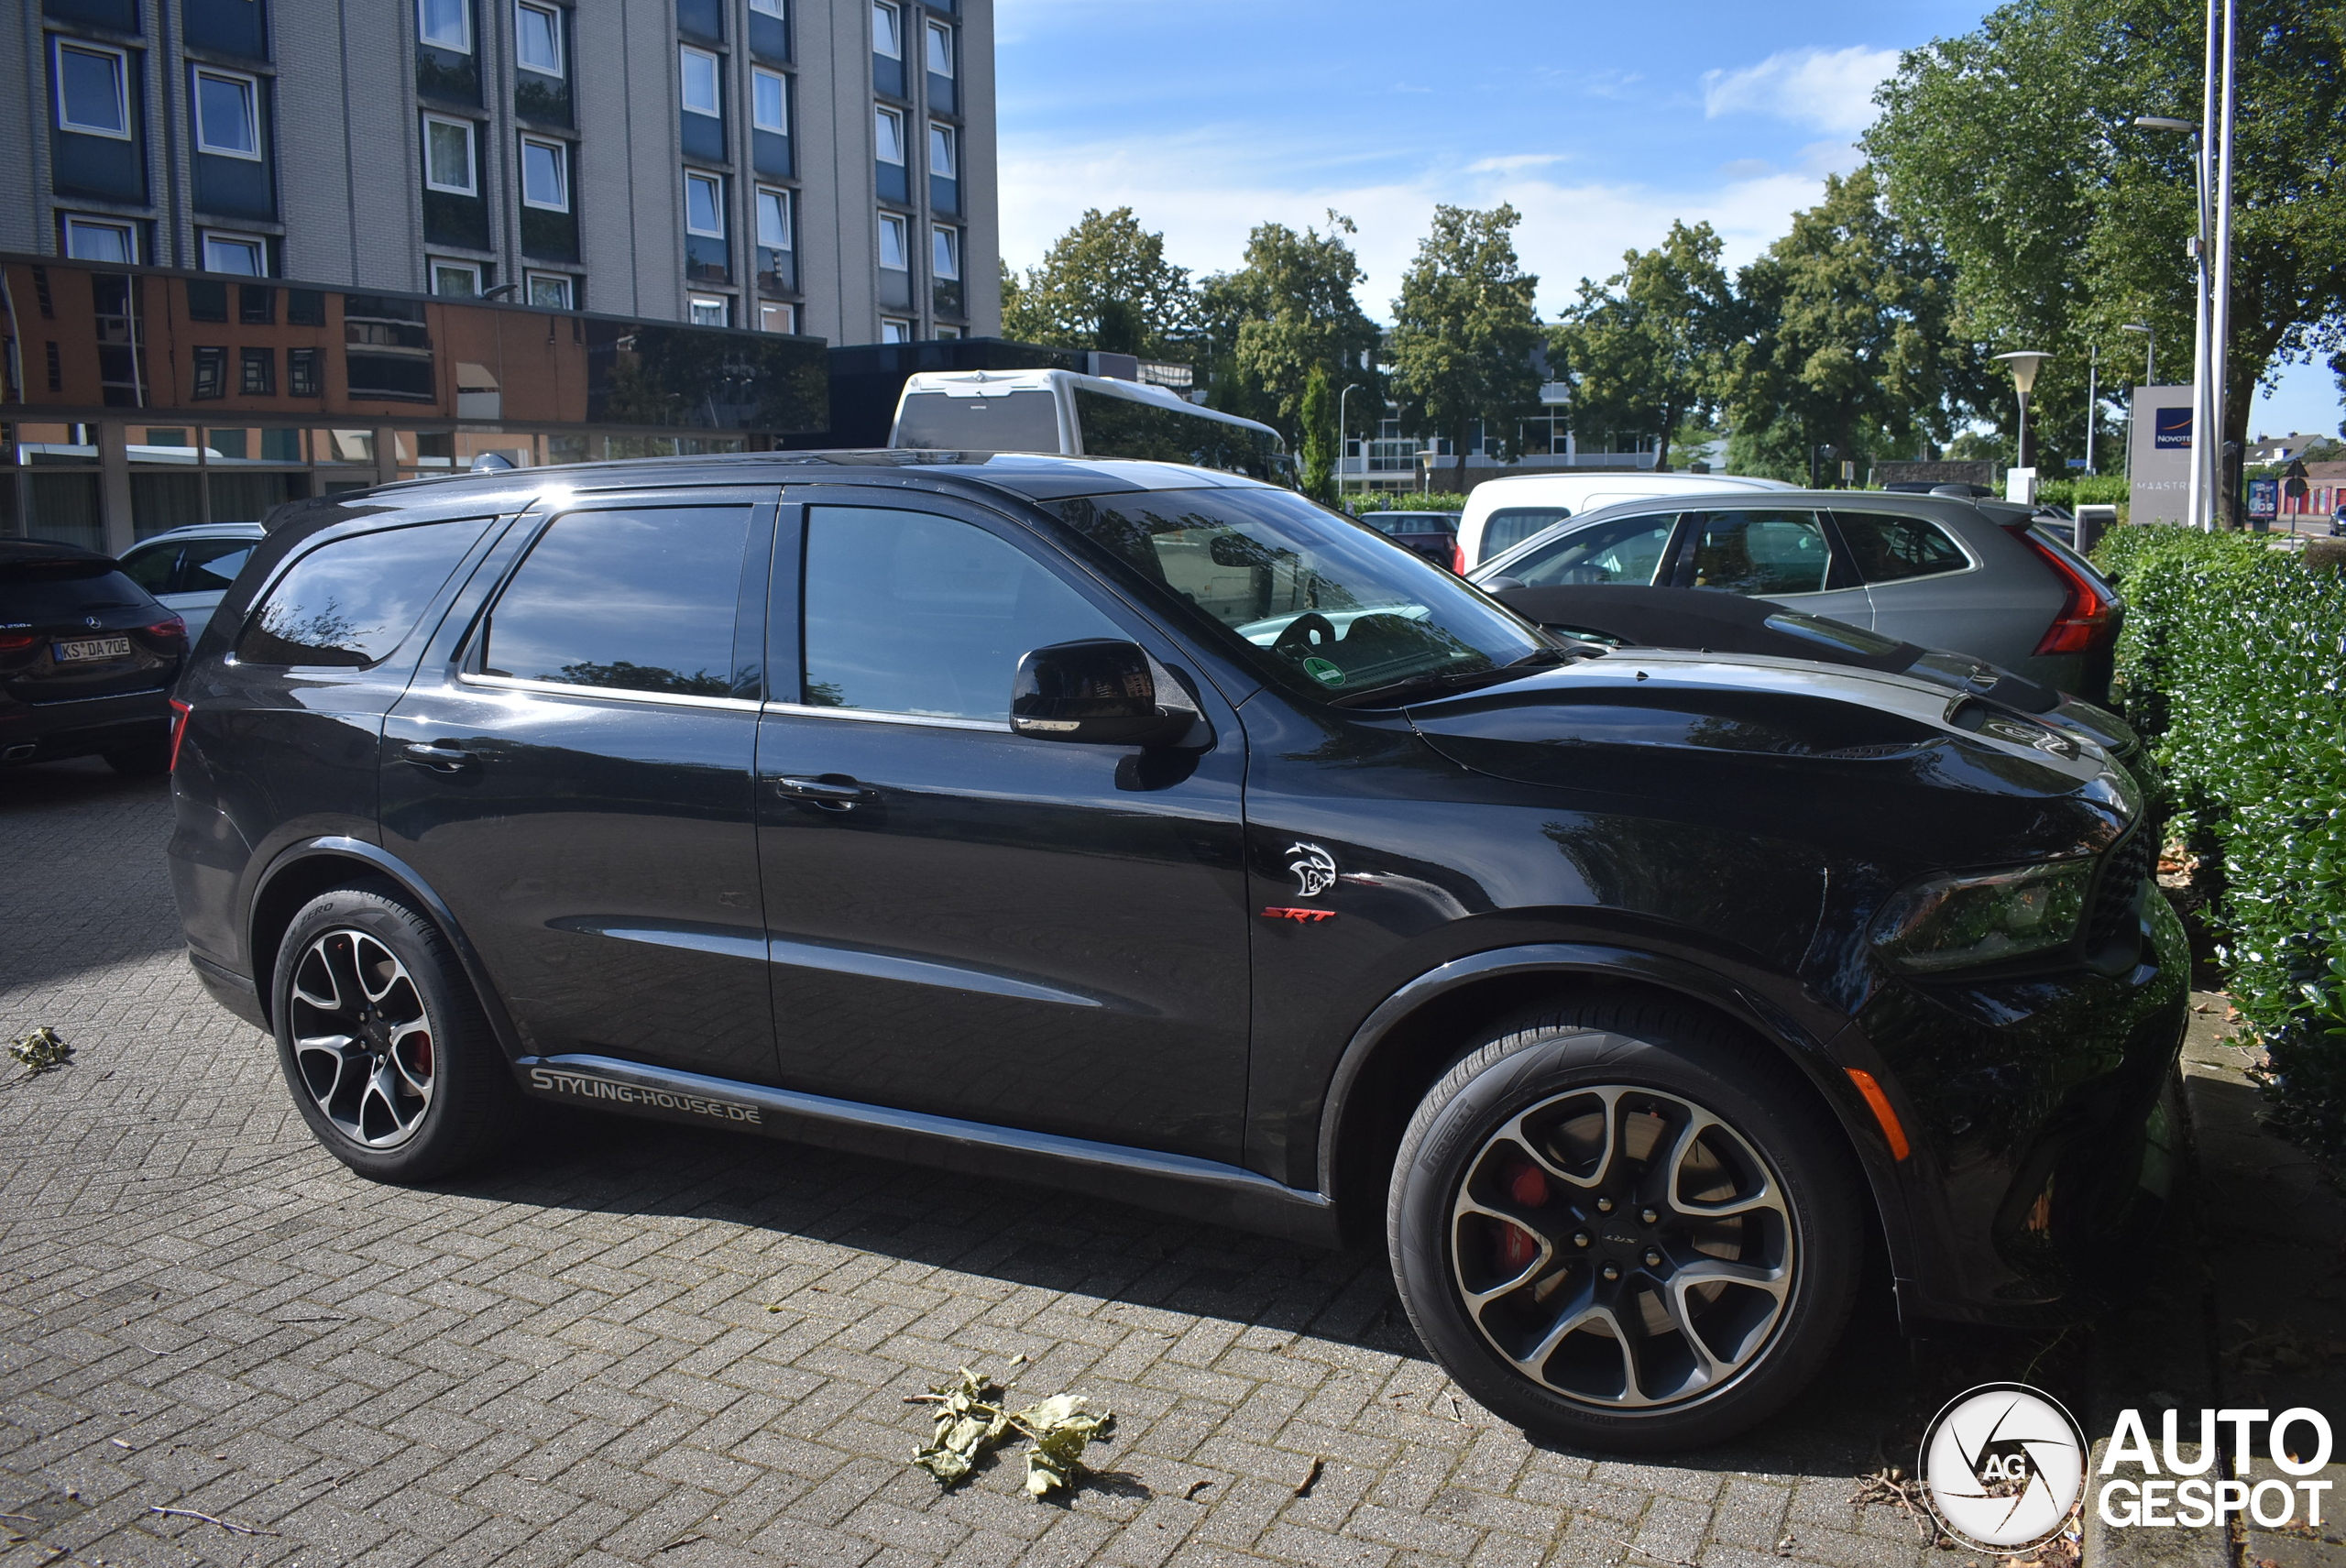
column 1555, row 1067
column 467, row 1095
column 142, row 760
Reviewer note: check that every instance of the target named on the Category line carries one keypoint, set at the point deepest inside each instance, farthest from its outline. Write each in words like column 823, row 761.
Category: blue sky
column 1601, row 123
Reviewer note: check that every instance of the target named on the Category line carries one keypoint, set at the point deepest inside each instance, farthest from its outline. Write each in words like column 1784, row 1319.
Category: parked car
column 189, row 568
column 87, row 658
column 1501, row 513
column 1936, row 571
column 1156, row 831
column 1433, row 534
column 1962, row 490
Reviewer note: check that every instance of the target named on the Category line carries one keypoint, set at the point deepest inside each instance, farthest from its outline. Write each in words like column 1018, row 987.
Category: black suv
column 87, row 659
column 1155, row 829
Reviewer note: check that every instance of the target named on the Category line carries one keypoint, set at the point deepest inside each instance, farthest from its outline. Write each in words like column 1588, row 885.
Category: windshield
column 1302, row 595
column 1022, row 422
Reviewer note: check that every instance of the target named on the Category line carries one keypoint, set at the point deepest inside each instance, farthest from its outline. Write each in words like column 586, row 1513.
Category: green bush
column 2232, row 662
column 1359, row 501
column 2101, row 489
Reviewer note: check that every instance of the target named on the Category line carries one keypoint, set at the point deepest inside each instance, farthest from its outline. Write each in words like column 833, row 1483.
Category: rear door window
column 1765, row 553
column 1628, row 550
column 350, row 602
column 636, row 600
column 1021, row 421
column 1511, row 526
column 1888, row 548
column 152, row 567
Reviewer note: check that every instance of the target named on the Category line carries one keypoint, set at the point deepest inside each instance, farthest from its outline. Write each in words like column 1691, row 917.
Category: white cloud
column 1831, row 90
column 1513, row 161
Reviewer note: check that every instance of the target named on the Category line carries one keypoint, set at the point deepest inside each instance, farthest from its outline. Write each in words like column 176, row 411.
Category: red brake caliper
column 1527, row 1185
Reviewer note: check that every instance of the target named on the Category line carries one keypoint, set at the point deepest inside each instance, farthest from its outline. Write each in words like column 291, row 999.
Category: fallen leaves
column 43, row 1050
column 972, row 1418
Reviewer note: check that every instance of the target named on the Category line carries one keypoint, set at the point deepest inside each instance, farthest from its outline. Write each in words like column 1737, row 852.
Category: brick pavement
column 632, row 1343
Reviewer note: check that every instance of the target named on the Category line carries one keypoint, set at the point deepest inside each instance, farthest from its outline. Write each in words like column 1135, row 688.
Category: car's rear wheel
column 1623, row 1226
column 382, row 1040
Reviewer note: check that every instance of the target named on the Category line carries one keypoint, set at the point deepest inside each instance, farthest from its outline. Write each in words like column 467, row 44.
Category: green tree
column 1104, row 284
column 1288, row 312
column 2013, row 147
column 1647, row 347
column 1846, row 341
column 1318, row 446
column 1463, row 330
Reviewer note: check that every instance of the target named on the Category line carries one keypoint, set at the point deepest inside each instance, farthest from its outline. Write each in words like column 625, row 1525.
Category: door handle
column 831, row 792
column 437, row 755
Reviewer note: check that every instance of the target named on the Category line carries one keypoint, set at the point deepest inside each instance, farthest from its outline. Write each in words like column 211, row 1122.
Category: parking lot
column 641, row 1343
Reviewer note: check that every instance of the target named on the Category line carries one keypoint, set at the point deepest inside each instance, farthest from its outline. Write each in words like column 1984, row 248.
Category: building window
column 448, row 155
column 888, row 135
column 776, row 317
column 537, row 39
column 773, row 219
column 769, row 8
column 93, row 90
column 887, row 30
column 940, row 50
column 704, row 205
column 227, row 115
column 894, row 331
column 243, row 254
column 944, row 160
column 894, row 253
column 210, row 378
column 92, row 239
column 301, row 372
column 259, row 378
column 446, row 24
column 551, row 291
column 701, row 74
column 455, row 279
column 712, row 309
column 945, row 252
column 770, row 108
column 545, row 174
column 948, row 334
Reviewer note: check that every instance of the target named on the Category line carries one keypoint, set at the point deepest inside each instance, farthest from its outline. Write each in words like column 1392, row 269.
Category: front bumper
column 2035, row 1107
column 83, row 727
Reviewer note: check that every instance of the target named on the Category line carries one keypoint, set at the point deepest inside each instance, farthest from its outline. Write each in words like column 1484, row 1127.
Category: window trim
column 881, row 113
column 895, row 13
column 569, row 287
column 911, row 329
column 229, row 237
column 952, row 147
column 126, row 227
column 432, row 266
column 903, row 228
column 716, row 183
column 59, row 46
column 933, row 29
column 694, row 301
column 561, row 67
column 434, row 43
column 716, row 81
column 951, row 235
column 251, row 84
column 758, row 75
column 789, row 226
column 472, row 154
column 568, row 688
column 560, row 150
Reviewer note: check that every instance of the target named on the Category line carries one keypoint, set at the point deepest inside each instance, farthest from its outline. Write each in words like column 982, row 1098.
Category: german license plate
column 93, row 648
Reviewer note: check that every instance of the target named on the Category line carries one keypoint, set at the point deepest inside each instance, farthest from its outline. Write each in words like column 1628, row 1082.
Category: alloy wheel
column 363, row 1040
column 1624, row 1247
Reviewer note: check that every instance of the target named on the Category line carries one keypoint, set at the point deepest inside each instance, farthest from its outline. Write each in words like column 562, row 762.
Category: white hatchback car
column 1503, row 513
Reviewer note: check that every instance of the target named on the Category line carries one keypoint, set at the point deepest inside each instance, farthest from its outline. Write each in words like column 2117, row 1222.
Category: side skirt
column 1178, row 1184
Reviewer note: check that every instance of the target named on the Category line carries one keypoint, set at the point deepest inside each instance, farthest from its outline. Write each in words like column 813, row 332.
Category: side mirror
column 1100, row 691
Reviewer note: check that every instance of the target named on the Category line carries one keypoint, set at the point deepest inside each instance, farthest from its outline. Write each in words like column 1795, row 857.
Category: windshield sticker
column 1323, row 672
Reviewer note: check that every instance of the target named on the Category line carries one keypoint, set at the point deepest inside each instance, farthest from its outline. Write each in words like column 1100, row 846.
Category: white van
column 1061, row 412
column 1503, row 513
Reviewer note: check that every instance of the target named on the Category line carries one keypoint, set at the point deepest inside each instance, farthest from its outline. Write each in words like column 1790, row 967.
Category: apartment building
column 816, row 167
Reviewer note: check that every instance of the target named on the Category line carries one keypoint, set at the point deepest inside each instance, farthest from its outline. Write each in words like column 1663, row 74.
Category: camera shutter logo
column 2003, row 1467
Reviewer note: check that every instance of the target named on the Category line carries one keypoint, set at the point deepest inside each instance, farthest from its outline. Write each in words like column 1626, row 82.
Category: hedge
column 2231, row 662
column 1359, row 501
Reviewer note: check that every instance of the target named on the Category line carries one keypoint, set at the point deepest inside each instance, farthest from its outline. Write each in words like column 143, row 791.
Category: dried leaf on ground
column 42, row 1050
column 970, row 1420
column 1058, row 1428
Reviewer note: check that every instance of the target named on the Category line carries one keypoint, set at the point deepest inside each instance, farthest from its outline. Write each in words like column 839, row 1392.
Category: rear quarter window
column 1889, row 548
column 350, row 602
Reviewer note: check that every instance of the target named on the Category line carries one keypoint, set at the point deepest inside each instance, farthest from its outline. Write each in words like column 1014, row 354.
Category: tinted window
column 1888, row 548
column 1511, row 526
column 150, row 568
column 1125, row 427
column 40, row 593
column 1391, row 522
column 908, row 612
column 631, row 600
column 1022, row 422
column 210, row 565
column 350, row 602
column 1301, row 593
column 1759, row 553
column 1625, row 550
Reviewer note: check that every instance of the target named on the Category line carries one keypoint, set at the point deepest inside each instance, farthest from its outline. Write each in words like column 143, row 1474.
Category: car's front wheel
column 1625, row 1227
column 382, row 1040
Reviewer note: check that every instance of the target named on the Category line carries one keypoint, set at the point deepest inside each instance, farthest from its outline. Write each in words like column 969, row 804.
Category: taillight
column 179, row 710
column 170, row 630
column 1457, row 558
column 17, row 641
column 2089, row 618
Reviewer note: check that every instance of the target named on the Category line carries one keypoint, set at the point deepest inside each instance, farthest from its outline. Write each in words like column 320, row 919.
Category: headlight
column 1952, row 922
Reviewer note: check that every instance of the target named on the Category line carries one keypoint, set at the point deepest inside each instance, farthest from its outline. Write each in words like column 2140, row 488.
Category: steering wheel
column 1309, row 632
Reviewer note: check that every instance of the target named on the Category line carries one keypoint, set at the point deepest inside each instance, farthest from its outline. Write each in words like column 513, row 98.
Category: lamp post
column 2022, row 364
column 1347, row 392
column 2150, row 350
column 2093, row 397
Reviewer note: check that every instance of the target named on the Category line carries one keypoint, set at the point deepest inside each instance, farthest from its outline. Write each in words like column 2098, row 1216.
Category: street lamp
column 2022, row 364
column 1347, row 392
column 2150, row 351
